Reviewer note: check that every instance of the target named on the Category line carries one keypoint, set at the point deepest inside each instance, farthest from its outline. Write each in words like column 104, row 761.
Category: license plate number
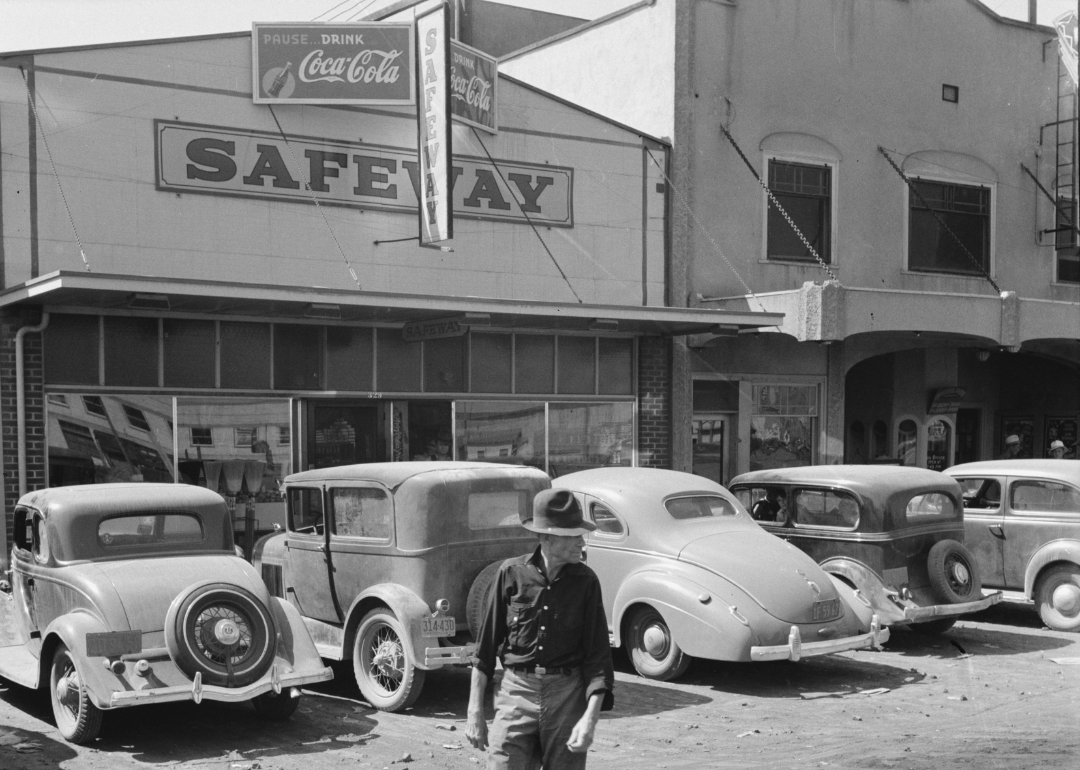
column 113, row 644
column 435, row 627
column 826, row 610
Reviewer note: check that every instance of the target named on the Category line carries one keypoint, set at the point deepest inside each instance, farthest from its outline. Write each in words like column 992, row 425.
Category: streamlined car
column 116, row 595
column 894, row 533
column 685, row 572
column 1022, row 519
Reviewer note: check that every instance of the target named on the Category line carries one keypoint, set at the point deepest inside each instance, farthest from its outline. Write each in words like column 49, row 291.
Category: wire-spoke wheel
column 385, row 672
column 954, row 575
column 78, row 719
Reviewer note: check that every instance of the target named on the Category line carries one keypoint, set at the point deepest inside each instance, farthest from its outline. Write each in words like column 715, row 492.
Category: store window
column 349, row 365
column 783, row 424
column 965, row 210
column 491, row 362
column 577, row 365
column 245, row 355
column 939, row 439
column 71, row 348
column 190, row 349
column 907, row 442
column 879, row 440
column 399, row 362
column 805, row 193
column 589, row 436
column 616, row 366
column 534, row 363
column 297, row 357
column 444, row 365
column 502, row 432
column 131, row 351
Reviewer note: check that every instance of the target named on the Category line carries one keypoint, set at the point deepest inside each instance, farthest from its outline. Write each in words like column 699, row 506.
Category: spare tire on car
column 954, row 575
column 476, row 603
column 221, row 631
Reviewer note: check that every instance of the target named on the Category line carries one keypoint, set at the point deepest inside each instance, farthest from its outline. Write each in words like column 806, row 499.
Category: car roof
column 1053, row 469
column 871, row 480
column 655, row 483
column 392, row 475
column 95, row 499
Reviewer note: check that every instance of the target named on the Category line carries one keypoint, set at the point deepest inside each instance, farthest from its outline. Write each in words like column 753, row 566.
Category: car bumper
column 437, row 657
column 935, row 611
column 197, row 691
column 796, row 649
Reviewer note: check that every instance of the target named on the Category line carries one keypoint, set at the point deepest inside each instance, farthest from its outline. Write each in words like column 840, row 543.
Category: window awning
column 178, row 297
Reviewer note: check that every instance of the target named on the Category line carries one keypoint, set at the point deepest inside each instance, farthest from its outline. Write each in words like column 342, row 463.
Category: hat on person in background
column 1058, row 444
column 1013, row 439
column 557, row 512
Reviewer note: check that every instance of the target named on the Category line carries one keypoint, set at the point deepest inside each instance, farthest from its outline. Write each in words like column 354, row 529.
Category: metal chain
column 775, row 202
column 940, row 221
column 56, row 174
column 315, row 199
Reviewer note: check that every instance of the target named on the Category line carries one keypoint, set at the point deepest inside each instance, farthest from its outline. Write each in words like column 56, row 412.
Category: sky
column 34, row 24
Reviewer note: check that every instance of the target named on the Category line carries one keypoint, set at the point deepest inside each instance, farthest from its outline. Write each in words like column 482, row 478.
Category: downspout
column 20, row 396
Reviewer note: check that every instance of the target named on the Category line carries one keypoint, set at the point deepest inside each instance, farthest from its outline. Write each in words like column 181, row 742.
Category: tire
column 1057, row 597
column 275, row 707
column 78, row 720
column 476, row 604
column 933, row 627
column 652, row 649
column 223, row 632
column 385, row 672
column 954, row 575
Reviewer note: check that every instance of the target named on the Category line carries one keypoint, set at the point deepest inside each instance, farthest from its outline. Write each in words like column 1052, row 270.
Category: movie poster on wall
column 474, row 78
column 320, row 63
column 433, row 126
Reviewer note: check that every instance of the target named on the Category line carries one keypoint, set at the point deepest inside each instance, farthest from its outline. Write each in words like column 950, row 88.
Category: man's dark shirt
column 560, row 624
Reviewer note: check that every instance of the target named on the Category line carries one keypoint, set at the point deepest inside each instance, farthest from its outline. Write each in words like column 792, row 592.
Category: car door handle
column 29, row 582
column 997, row 531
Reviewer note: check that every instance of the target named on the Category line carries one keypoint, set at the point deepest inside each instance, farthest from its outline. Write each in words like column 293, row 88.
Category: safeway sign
column 369, row 63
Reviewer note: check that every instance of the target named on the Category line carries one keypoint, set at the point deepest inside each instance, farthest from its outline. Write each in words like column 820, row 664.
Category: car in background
column 1022, row 519
column 117, row 595
column 685, row 572
column 894, row 533
column 390, row 563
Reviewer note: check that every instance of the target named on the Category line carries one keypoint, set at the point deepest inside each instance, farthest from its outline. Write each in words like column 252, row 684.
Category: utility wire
column 334, row 8
column 315, row 199
column 938, row 218
column 776, row 203
column 56, row 174
column 527, row 217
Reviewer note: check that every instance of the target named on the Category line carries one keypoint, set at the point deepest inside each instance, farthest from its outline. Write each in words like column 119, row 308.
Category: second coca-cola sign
column 368, row 63
column 474, row 78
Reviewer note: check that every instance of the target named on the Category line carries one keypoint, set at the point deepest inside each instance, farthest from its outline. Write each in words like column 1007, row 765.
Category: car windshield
column 143, row 529
column 930, row 504
column 699, row 507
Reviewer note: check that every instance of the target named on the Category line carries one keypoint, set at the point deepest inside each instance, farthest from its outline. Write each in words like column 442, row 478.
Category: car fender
column 704, row 629
column 406, row 606
column 295, row 644
column 71, row 630
column 1055, row 551
column 868, row 585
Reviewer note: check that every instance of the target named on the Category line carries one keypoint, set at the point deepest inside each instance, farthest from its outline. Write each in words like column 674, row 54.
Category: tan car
column 1022, row 522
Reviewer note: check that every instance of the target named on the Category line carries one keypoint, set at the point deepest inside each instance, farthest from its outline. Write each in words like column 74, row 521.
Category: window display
column 782, row 426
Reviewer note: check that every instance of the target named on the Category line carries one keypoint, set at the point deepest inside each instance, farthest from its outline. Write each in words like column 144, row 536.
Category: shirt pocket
column 567, row 623
column 521, row 625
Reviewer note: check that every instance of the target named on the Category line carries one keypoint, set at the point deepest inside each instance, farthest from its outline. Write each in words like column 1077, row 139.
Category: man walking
column 545, row 621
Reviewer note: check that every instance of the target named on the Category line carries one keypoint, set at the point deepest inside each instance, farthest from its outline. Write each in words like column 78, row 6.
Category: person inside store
column 1057, row 449
column 438, row 448
column 1012, row 447
column 545, row 622
column 772, row 507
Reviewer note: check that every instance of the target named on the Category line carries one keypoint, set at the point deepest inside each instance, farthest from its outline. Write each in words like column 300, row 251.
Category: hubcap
column 655, row 641
column 1066, row 599
column 226, row 632
column 67, row 691
column 960, row 573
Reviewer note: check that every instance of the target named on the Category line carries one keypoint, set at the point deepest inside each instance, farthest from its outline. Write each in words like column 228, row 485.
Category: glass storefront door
column 710, row 437
column 343, row 433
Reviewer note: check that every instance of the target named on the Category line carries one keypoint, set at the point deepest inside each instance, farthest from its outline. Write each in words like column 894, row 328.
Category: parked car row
column 122, row 594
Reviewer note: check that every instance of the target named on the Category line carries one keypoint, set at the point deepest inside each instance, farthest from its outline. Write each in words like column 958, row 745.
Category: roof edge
column 588, row 25
column 125, row 44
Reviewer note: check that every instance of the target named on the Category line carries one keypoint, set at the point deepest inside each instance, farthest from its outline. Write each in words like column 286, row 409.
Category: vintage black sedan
column 894, row 533
column 116, row 595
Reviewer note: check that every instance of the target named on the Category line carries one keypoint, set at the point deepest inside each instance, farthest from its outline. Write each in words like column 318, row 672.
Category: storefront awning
column 184, row 297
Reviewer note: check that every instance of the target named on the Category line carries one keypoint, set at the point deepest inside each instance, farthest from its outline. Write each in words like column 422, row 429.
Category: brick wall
column 654, row 407
column 36, row 472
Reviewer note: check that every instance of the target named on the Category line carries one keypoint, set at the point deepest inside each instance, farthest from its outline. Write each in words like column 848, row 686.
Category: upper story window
column 965, row 209
column 136, row 418
column 805, row 192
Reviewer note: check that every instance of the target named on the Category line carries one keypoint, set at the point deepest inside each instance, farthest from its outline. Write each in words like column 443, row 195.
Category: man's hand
column 581, row 737
column 476, row 729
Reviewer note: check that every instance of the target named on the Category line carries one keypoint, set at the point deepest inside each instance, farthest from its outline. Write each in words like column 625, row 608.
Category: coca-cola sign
column 474, row 78
column 368, row 63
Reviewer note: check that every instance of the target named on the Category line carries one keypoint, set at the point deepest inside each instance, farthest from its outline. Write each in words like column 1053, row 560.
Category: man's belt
column 529, row 668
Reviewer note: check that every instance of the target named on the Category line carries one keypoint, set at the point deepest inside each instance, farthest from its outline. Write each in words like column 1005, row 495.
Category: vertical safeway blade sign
column 433, row 126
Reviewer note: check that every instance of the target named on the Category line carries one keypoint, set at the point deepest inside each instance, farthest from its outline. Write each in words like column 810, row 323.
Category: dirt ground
column 989, row 694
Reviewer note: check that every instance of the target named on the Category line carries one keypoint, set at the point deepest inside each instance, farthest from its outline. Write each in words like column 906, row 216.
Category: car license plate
column 826, row 610
column 113, row 644
column 438, row 626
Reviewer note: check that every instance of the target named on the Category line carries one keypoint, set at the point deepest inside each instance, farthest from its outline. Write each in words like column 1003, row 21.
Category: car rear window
column 502, row 508
column 699, row 507
column 1048, row 496
column 930, row 504
column 826, row 508
column 172, row 528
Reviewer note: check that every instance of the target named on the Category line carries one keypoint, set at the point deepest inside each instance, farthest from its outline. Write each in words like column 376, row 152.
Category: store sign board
column 433, row 126
column 474, row 79
column 212, row 160
column 433, row 330
column 946, row 401
column 368, row 63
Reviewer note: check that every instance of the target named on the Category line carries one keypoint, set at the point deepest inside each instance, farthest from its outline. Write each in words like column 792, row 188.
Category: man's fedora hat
column 556, row 512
